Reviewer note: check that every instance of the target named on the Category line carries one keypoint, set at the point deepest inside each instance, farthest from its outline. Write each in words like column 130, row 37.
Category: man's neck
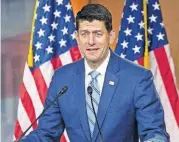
column 95, row 65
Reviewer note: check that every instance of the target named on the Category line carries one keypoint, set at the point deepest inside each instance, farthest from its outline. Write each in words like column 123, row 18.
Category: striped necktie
column 95, row 98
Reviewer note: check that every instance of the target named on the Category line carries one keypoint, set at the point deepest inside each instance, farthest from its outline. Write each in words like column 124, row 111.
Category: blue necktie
column 95, row 98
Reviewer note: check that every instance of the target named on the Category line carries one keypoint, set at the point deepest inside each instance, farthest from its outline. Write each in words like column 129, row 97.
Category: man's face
column 93, row 40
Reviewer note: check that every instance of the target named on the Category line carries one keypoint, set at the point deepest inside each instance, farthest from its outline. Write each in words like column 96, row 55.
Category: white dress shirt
column 101, row 69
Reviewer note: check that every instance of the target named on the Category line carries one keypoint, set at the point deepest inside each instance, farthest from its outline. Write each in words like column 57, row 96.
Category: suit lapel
column 79, row 88
column 109, row 87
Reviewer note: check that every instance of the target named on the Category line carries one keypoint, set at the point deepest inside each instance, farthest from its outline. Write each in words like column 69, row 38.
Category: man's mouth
column 92, row 49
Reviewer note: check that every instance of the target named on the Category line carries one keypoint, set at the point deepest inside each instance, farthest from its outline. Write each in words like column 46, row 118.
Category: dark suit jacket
column 129, row 109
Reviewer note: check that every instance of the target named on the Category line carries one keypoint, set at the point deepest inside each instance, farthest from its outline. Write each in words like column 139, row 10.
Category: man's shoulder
column 70, row 68
column 130, row 66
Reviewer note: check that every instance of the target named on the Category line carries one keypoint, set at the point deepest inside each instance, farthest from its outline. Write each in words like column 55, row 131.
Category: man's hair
column 92, row 12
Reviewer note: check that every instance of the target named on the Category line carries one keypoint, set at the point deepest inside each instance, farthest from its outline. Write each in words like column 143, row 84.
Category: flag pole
column 146, row 50
column 30, row 54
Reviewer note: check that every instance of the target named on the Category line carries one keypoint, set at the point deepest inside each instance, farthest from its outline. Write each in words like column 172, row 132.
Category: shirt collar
column 101, row 69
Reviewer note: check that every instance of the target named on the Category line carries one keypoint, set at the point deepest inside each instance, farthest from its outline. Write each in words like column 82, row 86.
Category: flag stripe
column 56, row 63
column 66, row 136
column 63, row 139
column 141, row 61
column 47, row 72
column 25, row 122
column 168, row 80
column 170, row 60
column 18, row 130
column 66, row 58
column 29, row 84
column 75, row 53
column 40, row 83
column 170, row 121
column 28, row 105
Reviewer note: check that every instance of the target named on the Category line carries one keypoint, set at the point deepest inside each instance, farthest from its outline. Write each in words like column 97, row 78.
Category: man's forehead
column 95, row 24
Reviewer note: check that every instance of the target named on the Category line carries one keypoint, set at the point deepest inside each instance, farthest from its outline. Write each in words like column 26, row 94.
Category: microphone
column 90, row 91
column 63, row 90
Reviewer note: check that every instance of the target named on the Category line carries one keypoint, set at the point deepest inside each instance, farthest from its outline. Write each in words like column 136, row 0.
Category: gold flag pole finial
column 30, row 54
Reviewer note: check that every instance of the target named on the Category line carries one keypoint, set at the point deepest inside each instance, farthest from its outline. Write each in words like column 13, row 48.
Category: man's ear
column 112, row 36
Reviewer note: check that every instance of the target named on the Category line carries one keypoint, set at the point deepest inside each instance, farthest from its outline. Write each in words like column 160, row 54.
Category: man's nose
column 91, row 40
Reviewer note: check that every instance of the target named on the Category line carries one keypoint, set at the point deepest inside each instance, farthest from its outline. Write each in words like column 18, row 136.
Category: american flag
column 54, row 45
column 131, row 45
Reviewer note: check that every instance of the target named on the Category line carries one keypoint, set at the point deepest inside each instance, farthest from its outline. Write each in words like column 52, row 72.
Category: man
column 121, row 94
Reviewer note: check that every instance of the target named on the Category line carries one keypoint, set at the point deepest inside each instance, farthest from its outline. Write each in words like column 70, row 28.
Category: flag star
column 130, row 19
column 160, row 36
column 62, row 43
column 150, row 30
column 41, row 32
column 51, row 38
column 57, row 13
column 141, row 24
column 128, row 31
column 162, row 25
column 54, row 25
column 67, row 18
column 60, row 2
column 37, row 57
column 73, row 35
column 38, row 45
column 139, row 36
column 46, row 8
column 43, row 20
column 156, row 6
column 153, row 18
column 49, row 50
column 65, row 31
column 125, row 44
column 134, row 6
column 68, row 6
column 136, row 49
column 122, row 55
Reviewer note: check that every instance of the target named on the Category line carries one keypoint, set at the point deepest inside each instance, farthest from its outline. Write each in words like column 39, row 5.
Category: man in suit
column 122, row 94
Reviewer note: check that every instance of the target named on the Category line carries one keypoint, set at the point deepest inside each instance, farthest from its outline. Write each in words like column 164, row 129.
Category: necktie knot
column 94, row 74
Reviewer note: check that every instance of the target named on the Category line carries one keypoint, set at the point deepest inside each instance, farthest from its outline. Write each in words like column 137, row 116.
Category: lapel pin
column 111, row 83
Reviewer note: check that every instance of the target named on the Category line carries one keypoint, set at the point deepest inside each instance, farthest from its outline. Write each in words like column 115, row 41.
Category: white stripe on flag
column 47, row 72
column 66, row 58
column 31, row 88
column 23, row 119
column 66, row 136
column 170, row 121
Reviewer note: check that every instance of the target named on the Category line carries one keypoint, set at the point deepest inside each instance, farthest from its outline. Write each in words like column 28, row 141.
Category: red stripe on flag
column 18, row 131
column 168, row 80
column 63, row 139
column 40, row 84
column 56, row 63
column 27, row 104
column 141, row 61
column 75, row 53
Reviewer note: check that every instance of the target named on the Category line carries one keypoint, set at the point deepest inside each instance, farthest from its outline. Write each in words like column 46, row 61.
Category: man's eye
column 98, row 34
column 83, row 34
